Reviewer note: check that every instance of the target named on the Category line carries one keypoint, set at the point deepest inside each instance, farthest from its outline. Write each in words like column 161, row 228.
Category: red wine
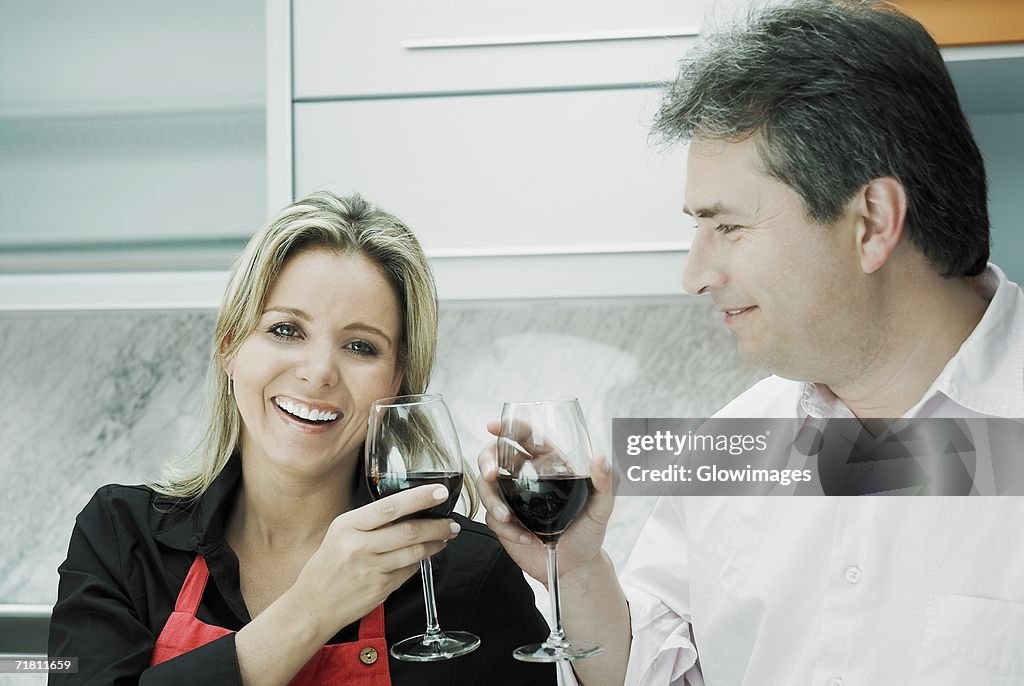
column 548, row 504
column 385, row 484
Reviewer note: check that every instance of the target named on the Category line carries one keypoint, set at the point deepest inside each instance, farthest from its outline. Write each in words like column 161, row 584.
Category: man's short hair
column 842, row 92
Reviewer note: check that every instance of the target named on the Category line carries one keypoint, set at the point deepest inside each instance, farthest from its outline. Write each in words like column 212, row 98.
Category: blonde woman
column 263, row 560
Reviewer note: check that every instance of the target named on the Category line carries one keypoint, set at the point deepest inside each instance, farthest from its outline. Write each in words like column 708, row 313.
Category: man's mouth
column 732, row 315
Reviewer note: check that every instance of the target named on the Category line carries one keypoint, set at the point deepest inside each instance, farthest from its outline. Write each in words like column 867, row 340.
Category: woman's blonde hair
column 321, row 220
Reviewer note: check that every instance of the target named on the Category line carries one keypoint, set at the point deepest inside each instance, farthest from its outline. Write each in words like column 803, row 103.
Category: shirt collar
column 985, row 376
column 987, row 373
column 198, row 525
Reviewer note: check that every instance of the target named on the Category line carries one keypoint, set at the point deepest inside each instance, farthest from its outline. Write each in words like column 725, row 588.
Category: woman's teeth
column 303, row 412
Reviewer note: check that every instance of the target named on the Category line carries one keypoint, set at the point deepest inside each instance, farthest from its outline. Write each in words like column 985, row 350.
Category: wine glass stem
column 433, row 632
column 557, row 635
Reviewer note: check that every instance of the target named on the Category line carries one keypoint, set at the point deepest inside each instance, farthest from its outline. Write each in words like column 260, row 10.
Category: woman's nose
column 318, row 367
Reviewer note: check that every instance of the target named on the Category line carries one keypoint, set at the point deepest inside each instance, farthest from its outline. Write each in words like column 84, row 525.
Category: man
column 842, row 230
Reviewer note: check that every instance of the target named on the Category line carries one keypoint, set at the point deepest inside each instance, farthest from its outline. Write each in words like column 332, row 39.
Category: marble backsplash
column 98, row 397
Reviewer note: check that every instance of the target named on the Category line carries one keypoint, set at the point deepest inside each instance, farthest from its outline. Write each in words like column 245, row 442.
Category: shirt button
column 853, row 575
column 367, row 655
column 835, row 682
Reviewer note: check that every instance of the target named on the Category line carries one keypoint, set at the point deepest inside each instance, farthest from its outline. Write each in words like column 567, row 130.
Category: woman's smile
column 306, row 417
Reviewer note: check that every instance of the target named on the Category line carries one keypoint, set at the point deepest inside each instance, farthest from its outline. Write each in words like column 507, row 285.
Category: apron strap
column 372, row 625
column 192, row 589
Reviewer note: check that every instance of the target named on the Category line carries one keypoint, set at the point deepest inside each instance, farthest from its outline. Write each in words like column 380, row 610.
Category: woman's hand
column 577, row 548
column 367, row 553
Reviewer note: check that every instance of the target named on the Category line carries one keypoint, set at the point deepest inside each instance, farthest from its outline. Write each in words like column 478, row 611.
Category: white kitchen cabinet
column 520, row 173
column 512, row 137
column 132, row 135
column 358, row 49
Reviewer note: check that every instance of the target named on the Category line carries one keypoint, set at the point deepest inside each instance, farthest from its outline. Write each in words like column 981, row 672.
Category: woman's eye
column 362, row 348
column 284, row 331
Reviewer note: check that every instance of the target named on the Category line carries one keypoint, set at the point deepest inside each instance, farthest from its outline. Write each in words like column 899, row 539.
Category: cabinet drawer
column 344, row 48
column 526, row 173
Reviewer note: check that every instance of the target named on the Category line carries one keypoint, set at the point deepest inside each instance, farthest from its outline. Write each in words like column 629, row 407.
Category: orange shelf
column 955, row 22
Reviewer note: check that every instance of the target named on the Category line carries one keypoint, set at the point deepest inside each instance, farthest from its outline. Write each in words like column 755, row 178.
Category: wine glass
column 411, row 441
column 544, row 459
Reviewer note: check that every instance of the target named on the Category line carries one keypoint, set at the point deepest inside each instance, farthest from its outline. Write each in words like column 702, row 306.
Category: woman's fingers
column 396, row 506
column 411, row 532
column 395, row 561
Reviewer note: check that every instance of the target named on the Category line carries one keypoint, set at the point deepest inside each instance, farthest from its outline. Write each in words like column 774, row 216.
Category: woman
column 330, row 307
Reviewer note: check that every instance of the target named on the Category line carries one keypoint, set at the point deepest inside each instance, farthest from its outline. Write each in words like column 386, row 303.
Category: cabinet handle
column 536, row 39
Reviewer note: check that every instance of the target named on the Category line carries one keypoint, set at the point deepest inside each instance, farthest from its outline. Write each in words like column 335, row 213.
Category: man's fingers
column 603, row 500
column 601, row 474
column 487, row 461
column 492, row 501
column 396, row 506
column 509, row 530
column 494, row 427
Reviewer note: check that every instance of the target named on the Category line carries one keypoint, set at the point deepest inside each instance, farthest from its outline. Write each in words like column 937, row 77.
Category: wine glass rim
column 544, row 401
column 410, row 399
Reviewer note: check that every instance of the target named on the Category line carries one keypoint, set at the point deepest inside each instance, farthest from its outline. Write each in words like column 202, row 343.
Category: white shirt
column 839, row 591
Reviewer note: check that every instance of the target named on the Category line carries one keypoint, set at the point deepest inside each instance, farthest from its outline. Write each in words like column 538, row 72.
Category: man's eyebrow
column 708, row 212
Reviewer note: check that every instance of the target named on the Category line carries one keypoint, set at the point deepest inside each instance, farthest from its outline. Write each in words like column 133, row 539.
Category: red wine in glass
column 387, row 483
column 546, row 505
column 411, row 441
column 544, row 459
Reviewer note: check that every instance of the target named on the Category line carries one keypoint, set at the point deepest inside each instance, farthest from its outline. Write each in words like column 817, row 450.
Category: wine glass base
column 444, row 647
column 548, row 652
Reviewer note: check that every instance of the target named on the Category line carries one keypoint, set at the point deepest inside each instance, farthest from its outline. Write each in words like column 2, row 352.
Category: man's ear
column 882, row 206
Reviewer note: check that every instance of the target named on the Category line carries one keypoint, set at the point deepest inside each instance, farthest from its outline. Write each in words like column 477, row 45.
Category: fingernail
column 455, row 527
column 502, row 513
column 440, row 493
column 524, row 539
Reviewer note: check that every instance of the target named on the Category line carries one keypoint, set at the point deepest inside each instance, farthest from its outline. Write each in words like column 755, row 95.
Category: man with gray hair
column 842, row 230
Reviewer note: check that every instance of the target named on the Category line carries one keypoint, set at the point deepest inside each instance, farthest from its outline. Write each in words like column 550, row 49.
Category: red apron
column 361, row 663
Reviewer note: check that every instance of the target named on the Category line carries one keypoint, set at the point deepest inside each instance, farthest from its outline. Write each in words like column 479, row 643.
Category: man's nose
column 703, row 265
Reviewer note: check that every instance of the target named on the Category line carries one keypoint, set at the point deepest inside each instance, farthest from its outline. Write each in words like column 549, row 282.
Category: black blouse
column 132, row 548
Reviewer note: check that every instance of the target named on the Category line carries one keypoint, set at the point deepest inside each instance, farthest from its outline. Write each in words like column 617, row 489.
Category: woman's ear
column 396, row 383
column 226, row 363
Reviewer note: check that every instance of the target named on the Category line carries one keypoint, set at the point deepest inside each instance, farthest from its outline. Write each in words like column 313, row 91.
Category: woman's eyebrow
column 369, row 328
column 293, row 311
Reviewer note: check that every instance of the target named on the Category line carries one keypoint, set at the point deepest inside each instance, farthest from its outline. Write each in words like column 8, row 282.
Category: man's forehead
column 724, row 178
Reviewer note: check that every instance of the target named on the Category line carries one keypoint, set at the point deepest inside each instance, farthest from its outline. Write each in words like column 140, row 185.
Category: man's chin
column 771, row 361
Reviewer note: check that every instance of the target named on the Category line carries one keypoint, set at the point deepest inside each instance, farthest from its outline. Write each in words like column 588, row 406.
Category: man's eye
column 284, row 331
column 362, row 348
column 726, row 228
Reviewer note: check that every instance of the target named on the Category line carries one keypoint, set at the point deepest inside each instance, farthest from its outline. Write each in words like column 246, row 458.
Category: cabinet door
column 528, row 173
column 346, row 48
